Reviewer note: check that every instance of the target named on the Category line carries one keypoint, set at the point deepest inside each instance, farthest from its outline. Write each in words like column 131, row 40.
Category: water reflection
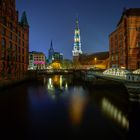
column 76, row 110
column 77, row 105
column 116, row 114
column 55, row 84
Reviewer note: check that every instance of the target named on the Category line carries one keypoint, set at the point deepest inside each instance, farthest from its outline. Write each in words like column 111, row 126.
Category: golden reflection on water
column 77, row 106
column 113, row 112
column 56, row 81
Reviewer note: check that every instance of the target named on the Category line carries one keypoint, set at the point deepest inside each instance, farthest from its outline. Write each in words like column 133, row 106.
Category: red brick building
column 125, row 41
column 14, row 41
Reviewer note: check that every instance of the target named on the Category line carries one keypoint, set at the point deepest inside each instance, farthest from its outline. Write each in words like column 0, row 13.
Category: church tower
column 77, row 43
column 51, row 53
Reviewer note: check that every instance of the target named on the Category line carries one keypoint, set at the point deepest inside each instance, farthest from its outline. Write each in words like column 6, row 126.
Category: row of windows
column 16, row 67
column 117, row 37
column 12, row 36
column 9, row 24
column 39, row 59
column 12, row 58
column 116, row 48
column 12, row 46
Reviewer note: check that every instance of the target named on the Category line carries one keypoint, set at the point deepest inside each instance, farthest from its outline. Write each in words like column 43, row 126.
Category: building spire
column 77, row 22
column 24, row 21
column 77, row 40
column 51, row 46
column 50, row 52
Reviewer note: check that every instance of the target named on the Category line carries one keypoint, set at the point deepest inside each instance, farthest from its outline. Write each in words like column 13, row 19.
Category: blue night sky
column 55, row 19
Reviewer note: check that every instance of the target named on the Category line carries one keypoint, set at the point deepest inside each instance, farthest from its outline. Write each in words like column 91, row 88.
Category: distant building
column 67, row 64
column 95, row 60
column 125, row 41
column 54, row 56
column 77, row 43
column 37, row 60
column 57, row 56
column 14, row 41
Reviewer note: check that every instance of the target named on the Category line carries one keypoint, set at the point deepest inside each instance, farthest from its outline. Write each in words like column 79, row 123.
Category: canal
column 63, row 107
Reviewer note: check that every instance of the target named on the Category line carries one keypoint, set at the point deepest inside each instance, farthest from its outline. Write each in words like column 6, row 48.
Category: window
column 138, row 44
column 121, row 37
column 19, row 50
column 3, row 42
column 22, row 43
column 22, row 51
column 10, row 45
column 19, row 33
column 23, row 59
column 138, row 29
column 19, row 41
column 11, row 35
column 23, row 36
column 112, row 58
column 4, row 21
column 3, row 31
column 11, row 26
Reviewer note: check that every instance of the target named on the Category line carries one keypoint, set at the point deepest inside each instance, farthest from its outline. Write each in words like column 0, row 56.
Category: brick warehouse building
column 14, row 41
column 125, row 41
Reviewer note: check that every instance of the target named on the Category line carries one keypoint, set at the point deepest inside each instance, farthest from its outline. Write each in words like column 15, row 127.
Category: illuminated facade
column 125, row 41
column 37, row 60
column 14, row 42
column 77, row 43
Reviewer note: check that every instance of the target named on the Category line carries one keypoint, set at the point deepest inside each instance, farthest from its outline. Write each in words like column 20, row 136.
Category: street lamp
column 95, row 59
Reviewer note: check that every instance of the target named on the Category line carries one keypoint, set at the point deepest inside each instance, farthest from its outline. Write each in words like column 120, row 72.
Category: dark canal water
column 62, row 107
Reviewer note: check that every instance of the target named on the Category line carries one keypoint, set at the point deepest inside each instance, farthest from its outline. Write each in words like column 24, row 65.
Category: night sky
column 55, row 20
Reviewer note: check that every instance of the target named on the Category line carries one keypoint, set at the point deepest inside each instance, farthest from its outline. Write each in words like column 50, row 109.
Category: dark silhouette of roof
column 24, row 21
column 98, row 55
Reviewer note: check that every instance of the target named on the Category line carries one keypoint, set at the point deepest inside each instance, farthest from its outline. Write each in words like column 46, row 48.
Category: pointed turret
column 24, row 21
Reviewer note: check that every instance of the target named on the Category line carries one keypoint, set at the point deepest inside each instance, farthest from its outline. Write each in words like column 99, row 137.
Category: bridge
column 63, row 71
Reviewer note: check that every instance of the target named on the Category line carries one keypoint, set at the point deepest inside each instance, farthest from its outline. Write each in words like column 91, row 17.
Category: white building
column 37, row 60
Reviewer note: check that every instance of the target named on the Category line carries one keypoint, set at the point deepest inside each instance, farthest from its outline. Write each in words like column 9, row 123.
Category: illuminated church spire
column 77, row 41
